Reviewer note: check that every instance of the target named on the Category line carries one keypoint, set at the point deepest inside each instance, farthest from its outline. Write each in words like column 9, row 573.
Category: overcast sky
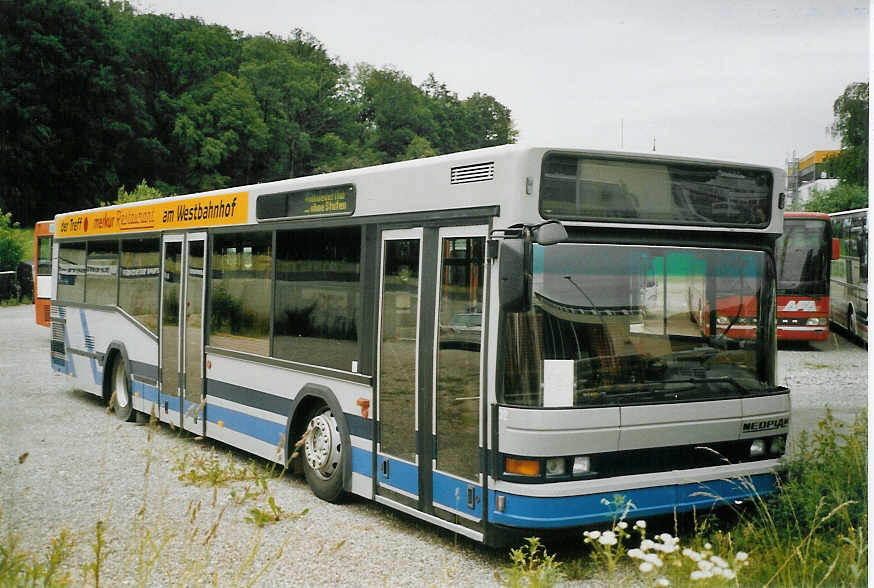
column 744, row 80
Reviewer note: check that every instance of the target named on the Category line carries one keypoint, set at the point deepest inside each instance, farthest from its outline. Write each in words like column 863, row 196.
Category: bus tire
column 851, row 323
column 323, row 455
column 120, row 398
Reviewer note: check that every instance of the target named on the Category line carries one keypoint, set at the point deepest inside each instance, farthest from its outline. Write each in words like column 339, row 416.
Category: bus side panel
column 88, row 334
column 248, row 404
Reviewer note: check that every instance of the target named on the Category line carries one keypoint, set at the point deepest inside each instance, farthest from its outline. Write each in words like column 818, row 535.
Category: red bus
column 803, row 256
column 42, row 271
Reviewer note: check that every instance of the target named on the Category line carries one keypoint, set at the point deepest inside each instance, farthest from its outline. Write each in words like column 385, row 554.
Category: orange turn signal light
column 521, row 467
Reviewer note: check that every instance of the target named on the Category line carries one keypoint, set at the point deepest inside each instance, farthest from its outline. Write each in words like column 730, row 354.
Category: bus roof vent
column 477, row 172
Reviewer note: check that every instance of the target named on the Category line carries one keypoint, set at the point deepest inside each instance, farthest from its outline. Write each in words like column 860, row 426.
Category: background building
column 809, row 173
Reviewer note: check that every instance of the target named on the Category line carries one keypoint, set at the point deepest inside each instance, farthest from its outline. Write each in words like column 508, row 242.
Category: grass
column 812, row 533
column 157, row 546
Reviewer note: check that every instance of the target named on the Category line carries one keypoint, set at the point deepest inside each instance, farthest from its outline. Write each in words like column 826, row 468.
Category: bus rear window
column 574, row 187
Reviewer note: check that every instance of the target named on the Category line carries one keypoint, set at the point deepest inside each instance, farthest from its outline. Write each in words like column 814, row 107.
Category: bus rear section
column 42, row 270
column 803, row 255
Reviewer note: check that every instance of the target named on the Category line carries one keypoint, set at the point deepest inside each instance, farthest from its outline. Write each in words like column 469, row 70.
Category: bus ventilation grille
column 47, row 314
column 478, row 172
column 58, row 348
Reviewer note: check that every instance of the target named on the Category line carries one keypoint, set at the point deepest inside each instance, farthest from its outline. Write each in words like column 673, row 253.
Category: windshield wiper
column 668, row 389
column 632, row 390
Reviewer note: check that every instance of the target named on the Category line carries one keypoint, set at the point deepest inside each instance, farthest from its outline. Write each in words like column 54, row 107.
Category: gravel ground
column 83, row 466
column 831, row 373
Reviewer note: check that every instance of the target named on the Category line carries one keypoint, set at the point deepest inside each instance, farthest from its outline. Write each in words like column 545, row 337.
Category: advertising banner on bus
column 220, row 209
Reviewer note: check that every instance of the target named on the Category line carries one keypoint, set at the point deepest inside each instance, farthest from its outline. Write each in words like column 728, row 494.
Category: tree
column 851, row 125
column 842, row 197
column 294, row 82
column 11, row 250
column 142, row 191
column 487, row 123
column 397, row 110
column 62, row 110
column 221, row 133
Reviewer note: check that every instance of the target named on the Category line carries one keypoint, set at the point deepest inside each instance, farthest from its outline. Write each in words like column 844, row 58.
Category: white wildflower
column 728, row 574
column 622, row 525
column 653, row 559
column 697, row 575
column 640, row 524
column 705, row 565
column 666, row 538
column 741, row 556
column 608, row 538
column 594, row 534
column 635, row 553
column 708, row 546
column 646, row 567
column 662, row 582
column 692, row 554
column 646, row 544
column 719, row 561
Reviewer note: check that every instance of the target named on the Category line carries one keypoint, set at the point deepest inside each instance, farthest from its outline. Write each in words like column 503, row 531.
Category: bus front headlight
column 757, row 448
column 582, row 465
column 556, row 466
column 815, row 322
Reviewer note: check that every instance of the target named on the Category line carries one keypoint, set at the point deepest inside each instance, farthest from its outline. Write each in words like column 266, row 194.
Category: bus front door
column 429, row 372
column 181, row 336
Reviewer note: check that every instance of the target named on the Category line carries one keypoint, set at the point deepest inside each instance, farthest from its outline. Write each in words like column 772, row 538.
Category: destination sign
column 158, row 215
column 330, row 201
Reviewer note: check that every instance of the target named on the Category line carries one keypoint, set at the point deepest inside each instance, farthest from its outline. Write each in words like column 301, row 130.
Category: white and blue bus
column 849, row 273
column 490, row 341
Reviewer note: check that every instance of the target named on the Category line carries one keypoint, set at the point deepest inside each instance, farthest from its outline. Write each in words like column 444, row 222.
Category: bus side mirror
column 514, row 275
column 550, row 233
column 836, row 248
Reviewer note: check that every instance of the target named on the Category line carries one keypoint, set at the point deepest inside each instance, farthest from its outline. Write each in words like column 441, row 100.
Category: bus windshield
column 803, row 255
column 614, row 324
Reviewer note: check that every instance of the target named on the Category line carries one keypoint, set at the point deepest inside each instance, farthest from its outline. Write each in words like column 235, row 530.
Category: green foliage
column 11, row 248
column 142, row 191
column 64, row 108
column 844, row 196
column 851, row 125
column 532, row 567
column 814, row 532
column 21, row 568
column 94, row 96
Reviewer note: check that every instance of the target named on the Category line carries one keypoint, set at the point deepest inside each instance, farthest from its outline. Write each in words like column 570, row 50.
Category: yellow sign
column 161, row 215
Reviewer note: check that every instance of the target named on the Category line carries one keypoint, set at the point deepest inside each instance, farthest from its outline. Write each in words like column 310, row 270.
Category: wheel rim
column 323, row 447
column 121, row 396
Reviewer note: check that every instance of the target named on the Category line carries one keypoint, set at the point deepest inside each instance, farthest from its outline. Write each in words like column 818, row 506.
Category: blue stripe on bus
column 146, row 392
column 575, row 511
column 401, row 475
column 361, row 462
column 95, row 373
column 254, row 427
column 452, row 493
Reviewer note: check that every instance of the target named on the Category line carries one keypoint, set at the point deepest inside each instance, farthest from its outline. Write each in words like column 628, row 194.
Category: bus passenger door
column 429, row 372
column 181, row 333
column 458, row 460
column 171, row 300
column 397, row 460
column 192, row 333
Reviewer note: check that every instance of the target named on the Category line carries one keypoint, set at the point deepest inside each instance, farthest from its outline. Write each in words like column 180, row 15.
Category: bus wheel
column 120, row 398
column 323, row 455
column 851, row 323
